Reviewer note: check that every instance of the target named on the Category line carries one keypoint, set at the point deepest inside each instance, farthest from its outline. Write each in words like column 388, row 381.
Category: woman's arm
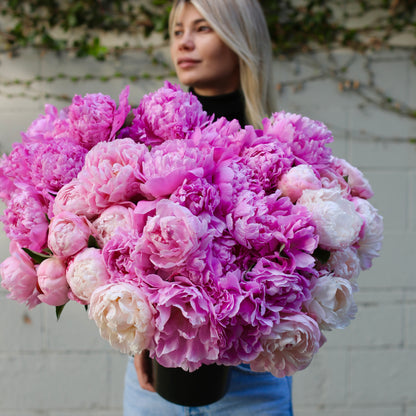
column 143, row 366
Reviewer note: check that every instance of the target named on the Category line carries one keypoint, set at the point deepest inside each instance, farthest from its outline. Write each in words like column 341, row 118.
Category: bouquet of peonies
column 198, row 240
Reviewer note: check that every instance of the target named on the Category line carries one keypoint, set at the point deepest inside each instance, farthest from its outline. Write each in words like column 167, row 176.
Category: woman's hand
column 143, row 366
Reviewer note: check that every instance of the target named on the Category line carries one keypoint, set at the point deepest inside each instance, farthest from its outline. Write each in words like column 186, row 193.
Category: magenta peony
column 166, row 114
column 95, row 118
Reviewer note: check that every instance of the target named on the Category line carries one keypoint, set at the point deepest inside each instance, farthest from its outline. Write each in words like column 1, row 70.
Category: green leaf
column 92, row 242
column 321, row 255
column 35, row 256
column 58, row 311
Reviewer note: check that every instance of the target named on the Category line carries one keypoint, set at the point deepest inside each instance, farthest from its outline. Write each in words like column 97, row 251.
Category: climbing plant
column 295, row 25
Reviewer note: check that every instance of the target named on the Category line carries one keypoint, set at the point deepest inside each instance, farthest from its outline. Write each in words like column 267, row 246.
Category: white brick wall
column 64, row 369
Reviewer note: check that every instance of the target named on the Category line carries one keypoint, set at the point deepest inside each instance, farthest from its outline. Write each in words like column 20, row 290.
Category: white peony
column 346, row 264
column 85, row 272
column 290, row 347
column 370, row 243
column 337, row 222
column 123, row 316
column 332, row 303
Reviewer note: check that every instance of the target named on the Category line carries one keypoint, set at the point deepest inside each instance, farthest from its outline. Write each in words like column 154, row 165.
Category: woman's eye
column 204, row 29
column 177, row 33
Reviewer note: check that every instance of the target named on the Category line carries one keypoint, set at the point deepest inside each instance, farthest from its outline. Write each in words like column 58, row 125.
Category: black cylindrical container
column 204, row 386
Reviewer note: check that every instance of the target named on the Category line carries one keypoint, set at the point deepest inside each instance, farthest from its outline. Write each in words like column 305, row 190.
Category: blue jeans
column 250, row 394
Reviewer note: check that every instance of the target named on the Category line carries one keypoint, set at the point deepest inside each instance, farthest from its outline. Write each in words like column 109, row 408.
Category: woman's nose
column 186, row 42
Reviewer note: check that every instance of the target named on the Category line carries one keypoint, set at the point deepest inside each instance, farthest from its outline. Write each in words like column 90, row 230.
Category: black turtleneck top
column 230, row 106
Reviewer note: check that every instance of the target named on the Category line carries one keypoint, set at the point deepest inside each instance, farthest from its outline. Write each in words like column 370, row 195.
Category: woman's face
column 202, row 60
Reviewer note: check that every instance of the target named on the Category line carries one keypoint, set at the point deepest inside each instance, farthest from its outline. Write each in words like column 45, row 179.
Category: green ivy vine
column 294, row 26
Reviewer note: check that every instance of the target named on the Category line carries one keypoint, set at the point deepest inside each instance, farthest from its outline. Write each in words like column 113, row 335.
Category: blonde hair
column 241, row 25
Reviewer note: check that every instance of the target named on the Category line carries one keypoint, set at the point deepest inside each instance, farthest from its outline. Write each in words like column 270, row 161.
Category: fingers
column 143, row 366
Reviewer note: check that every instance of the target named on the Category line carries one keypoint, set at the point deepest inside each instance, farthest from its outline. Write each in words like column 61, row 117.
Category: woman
column 221, row 50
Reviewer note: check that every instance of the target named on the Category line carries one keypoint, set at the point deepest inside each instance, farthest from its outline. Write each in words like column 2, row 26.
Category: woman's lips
column 187, row 63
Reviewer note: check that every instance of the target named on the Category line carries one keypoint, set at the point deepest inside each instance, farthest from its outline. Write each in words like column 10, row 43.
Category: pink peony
column 120, row 258
column 110, row 174
column 52, row 281
column 296, row 180
column 370, row 242
column 95, row 118
column 186, row 333
column 224, row 138
column 358, row 183
column 111, row 220
column 68, row 234
column 346, row 264
column 25, row 218
column 168, row 165
column 72, row 197
column 269, row 160
column 85, row 273
column 166, row 114
column 270, row 225
column 123, row 316
column 332, row 304
column 172, row 235
column 55, row 164
column 198, row 195
column 290, row 347
column 18, row 276
column 47, row 126
column 307, row 138
column 338, row 224
column 15, row 169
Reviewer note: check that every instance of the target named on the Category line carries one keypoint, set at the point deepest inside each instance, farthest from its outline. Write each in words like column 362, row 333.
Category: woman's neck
column 230, row 105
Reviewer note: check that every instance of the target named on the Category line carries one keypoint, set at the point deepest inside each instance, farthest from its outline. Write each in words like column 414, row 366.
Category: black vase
column 206, row 385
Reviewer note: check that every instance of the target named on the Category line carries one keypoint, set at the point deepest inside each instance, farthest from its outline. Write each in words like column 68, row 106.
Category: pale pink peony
column 370, row 242
column 52, row 281
column 355, row 178
column 85, row 273
column 123, row 316
column 25, row 218
column 332, row 303
column 290, row 347
column 346, row 264
column 337, row 223
column 166, row 114
column 18, row 276
column 111, row 220
column 296, row 180
column 172, row 235
column 72, row 197
column 68, row 234
column 95, row 117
